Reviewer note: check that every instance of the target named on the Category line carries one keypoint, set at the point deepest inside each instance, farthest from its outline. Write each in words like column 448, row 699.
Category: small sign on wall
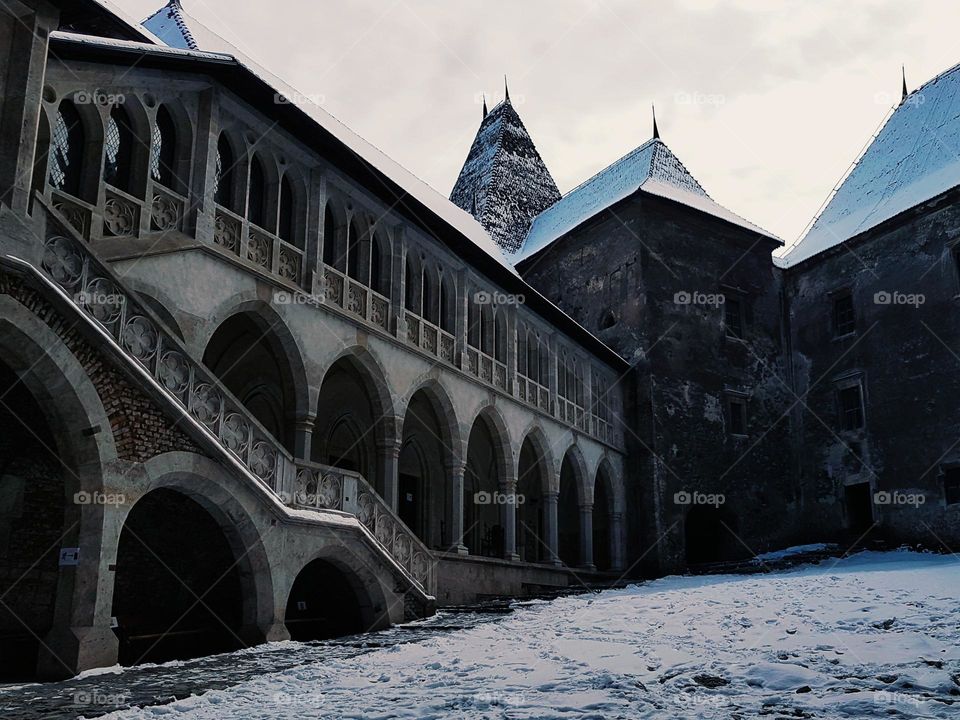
column 69, row 556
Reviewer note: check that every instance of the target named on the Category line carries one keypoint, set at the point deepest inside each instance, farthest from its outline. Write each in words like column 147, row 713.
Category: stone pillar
column 586, row 536
column 616, row 541
column 508, row 519
column 303, row 435
column 23, row 56
column 550, row 523
column 388, row 455
column 455, row 511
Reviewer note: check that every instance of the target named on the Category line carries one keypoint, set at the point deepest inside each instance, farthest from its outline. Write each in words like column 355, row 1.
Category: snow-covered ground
column 874, row 635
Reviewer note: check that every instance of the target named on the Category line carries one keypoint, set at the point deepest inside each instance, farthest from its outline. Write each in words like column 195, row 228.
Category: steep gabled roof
column 651, row 168
column 170, row 24
column 914, row 158
column 504, row 182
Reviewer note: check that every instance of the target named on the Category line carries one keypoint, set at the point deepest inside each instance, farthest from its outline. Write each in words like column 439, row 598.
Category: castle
column 257, row 381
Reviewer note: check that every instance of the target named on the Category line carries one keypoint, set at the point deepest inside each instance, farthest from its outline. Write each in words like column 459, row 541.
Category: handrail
column 96, row 290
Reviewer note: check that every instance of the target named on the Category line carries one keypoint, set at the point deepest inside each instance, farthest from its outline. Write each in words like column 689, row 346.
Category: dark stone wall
column 906, row 354
column 638, row 276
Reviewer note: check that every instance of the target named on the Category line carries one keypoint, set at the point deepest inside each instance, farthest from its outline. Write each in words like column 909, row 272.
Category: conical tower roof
column 504, row 182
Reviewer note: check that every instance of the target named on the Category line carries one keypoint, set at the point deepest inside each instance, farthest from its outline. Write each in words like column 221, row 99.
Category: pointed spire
column 656, row 132
column 485, row 111
column 506, row 90
column 903, row 70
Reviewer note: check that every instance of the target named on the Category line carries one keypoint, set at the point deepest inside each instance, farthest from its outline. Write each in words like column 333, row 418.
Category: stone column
column 303, row 435
column 586, row 536
column 616, row 541
column 550, row 523
column 508, row 518
column 455, row 471
column 388, row 454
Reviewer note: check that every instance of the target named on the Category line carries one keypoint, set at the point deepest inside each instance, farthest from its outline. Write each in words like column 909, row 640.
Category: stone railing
column 571, row 413
column 427, row 336
column 485, row 367
column 355, row 297
column 250, row 242
column 93, row 288
column 324, row 487
column 533, row 392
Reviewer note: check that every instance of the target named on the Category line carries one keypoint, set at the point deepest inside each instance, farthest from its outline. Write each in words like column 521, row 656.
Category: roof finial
column 506, row 90
column 485, row 111
column 903, row 70
column 656, row 132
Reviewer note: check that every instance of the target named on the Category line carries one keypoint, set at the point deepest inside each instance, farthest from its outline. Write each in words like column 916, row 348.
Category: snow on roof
column 504, row 182
column 652, row 168
column 177, row 24
column 915, row 157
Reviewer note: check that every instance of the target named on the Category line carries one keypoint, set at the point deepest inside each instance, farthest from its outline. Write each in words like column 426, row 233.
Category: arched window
column 522, row 351
column 379, row 265
column 223, row 187
column 533, row 359
column 446, row 304
column 354, row 264
column 257, row 193
column 285, row 224
column 473, row 322
column 500, row 336
column 329, row 238
column 410, row 293
column 543, row 353
column 164, row 153
column 118, row 150
column 486, row 329
column 428, row 303
column 66, row 150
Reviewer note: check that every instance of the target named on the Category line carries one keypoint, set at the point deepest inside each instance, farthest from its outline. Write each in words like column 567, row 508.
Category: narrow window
column 851, row 408
column 473, row 323
column 446, row 317
column 409, row 298
column 733, row 317
column 164, row 153
column 737, row 416
column 378, row 273
column 257, row 195
column 285, row 226
column 224, row 174
column 951, row 485
column 118, row 150
column 428, row 304
column 844, row 321
column 329, row 237
column 66, row 150
column 500, row 338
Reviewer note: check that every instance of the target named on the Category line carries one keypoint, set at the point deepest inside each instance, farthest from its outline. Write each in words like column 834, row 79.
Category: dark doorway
column 859, row 507
column 711, row 536
column 177, row 592
column 568, row 516
column 322, row 604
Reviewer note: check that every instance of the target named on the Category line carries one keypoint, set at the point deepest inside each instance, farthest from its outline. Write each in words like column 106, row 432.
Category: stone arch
column 334, row 224
column 488, row 464
column 47, row 474
column 230, row 172
column 412, row 277
column 328, row 598
column 160, row 309
column 179, row 160
column 262, row 183
column 256, row 356
column 605, row 508
column 572, row 497
column 430, row 445
column 84, row 119
column 190, row 500
column 381, row 262
column 134, row 168
column 354, row 389
column 292, row 204
column 533, row 482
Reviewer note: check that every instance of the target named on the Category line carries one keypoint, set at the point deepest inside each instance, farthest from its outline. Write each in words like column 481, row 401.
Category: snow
column 795, row 550
column 914, row 158
column 651, row 168
column 867, row 636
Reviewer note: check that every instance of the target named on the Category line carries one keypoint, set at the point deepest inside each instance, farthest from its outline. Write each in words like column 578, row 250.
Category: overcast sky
column 767, row 102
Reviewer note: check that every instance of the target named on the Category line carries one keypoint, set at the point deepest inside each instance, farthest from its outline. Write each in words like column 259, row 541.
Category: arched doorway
column 710, row 534
column 178, row 591
column 248, row 358
column 34, row 482
column 423, row 494
column 568, row 514
column 324, row 603
column 602, row 510
column 348, row 422
column 532, row 544
column 482, row 531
